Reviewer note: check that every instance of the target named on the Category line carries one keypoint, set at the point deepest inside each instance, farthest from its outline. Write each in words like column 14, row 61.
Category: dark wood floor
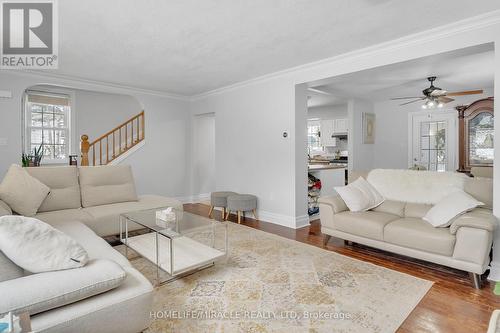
column 452, row 305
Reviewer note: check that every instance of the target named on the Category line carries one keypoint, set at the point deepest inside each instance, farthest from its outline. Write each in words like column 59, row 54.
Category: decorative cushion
column 22, row 192
column 45, row 291
column 360, row 196
column 455, row 204
column 64, row 187
column 37, row 247
column 104, row 185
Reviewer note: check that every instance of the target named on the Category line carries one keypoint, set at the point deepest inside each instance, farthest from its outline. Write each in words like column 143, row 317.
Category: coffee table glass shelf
column 182, row 246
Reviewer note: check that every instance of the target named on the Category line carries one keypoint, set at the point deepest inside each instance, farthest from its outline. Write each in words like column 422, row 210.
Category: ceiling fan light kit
column 435, row 97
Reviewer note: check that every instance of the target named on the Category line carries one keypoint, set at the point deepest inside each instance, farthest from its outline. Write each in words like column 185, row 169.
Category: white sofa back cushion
column 23, row 193
column 425, row 187
column 104, row 185
column 64, row 187
column 38, row 247
column 45, row 291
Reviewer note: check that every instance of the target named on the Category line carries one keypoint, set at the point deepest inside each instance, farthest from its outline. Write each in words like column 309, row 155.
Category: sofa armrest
column 479, row 218
column 335, row 202
column 40, row 292
column 4, row 209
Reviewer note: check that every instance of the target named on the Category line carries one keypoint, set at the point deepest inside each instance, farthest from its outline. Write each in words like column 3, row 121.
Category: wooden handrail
column 97, row 144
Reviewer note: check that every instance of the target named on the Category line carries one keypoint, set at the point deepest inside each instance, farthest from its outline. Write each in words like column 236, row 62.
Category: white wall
column 391, row 142
column 203, row 157
column 361, row 155
column 327, row 112
column 160, row 167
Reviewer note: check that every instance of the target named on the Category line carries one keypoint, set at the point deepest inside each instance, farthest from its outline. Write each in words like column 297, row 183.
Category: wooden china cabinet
column 475, row 135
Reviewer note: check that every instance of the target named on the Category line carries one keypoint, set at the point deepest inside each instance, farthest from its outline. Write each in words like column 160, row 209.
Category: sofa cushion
column 104, row 185
column 366, row 224
column 392, row 207
column 96, row 247
column 63, row 184
column 416, row 210
column 481, row 189
column 23, row 193
column 37, row 292
column 4, row 209
column 37, row 247
column 9, row 270
column 65, row 215
column 106, row 218
column 417, row 234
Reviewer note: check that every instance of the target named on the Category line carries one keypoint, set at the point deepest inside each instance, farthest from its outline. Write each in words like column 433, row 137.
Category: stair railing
column 114, row 143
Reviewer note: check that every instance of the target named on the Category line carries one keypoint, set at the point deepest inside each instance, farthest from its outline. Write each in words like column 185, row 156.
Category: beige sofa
column 82, row 203
column 397, row 225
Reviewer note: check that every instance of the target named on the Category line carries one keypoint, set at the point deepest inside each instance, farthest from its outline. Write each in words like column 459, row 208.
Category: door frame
column 449, row 115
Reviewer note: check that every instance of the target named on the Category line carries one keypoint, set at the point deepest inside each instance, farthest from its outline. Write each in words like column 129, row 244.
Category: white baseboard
column 279, row 219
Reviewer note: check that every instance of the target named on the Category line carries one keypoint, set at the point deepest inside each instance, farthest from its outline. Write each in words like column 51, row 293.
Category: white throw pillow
column 360, row 196
column 445, row 211
column 38, row 247
column 22, row 192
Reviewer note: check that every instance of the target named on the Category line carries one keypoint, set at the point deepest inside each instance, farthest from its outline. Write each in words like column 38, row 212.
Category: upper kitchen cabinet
column 330, row 129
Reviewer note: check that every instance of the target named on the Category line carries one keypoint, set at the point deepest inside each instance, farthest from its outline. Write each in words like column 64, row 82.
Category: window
column 47, row 122
column 313, row 136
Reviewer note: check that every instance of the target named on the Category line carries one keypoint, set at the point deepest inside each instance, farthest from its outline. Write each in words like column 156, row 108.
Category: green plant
column 38, row 155
column 25, row 159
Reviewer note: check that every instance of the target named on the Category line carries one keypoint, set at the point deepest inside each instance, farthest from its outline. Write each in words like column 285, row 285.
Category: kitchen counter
column 316, row 167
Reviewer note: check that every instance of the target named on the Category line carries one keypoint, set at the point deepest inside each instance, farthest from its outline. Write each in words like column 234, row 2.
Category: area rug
column 272, row 284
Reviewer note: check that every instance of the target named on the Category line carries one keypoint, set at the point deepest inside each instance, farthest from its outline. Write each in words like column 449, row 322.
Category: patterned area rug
column 273, row 284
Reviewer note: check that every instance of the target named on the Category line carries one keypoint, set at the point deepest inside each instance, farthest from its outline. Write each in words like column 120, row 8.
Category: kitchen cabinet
column 330, row 128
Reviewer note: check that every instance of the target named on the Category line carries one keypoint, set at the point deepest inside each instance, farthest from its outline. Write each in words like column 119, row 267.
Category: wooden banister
column 120, row 144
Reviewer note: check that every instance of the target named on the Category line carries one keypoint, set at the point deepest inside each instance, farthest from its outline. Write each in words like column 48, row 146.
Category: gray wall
column 160, row 167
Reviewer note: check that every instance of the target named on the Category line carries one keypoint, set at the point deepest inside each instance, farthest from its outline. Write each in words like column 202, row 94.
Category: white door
column 433, row 140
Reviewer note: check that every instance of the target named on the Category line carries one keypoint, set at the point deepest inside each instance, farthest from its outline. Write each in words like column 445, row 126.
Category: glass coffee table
column 179, row 247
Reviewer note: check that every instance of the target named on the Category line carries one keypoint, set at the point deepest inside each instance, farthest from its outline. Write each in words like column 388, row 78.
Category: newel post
column 84, row 148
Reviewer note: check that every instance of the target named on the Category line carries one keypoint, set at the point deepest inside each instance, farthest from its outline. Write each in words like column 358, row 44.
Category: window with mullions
column 47, row 123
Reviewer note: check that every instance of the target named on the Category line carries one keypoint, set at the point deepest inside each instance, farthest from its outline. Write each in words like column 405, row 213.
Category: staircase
column 109, row 147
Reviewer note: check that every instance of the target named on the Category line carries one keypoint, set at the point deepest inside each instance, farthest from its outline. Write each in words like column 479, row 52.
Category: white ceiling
column 467, row 69
column 193, row 46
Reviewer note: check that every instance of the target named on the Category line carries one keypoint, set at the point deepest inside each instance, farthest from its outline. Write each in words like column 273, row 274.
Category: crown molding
column 125, row 88
column 458, row 27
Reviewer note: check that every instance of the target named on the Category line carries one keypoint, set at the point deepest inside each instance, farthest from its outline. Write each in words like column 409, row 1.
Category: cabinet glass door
column 481, row 137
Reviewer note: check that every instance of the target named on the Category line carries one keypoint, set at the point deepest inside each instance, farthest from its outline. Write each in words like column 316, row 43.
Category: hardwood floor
column 451, row 305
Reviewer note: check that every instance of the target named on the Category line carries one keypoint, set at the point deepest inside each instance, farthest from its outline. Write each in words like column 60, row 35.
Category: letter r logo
column 27, row 28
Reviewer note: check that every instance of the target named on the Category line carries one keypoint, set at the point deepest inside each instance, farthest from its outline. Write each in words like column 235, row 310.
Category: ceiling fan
column 436, row 97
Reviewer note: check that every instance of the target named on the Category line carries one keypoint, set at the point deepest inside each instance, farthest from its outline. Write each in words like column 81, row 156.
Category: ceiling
column 193, row 46
column 466, row 69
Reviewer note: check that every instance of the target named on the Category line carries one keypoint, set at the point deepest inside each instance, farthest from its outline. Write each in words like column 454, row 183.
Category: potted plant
column 33, row 160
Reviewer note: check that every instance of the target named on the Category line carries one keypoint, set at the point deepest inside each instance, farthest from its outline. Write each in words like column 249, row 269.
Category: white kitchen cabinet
column 341, row 126
column 327, row 133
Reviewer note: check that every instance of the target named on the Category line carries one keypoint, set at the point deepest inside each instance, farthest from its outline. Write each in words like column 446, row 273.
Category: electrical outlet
column 3, row 141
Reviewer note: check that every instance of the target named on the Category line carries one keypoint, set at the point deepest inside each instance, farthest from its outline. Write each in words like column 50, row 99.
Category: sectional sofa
column 85, row 203
column 397, row 225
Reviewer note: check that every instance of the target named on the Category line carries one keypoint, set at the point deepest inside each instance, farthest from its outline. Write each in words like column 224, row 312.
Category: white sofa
column 397, row 225
column 80, row 205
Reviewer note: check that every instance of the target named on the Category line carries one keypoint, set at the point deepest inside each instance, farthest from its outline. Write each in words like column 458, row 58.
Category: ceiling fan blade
column 396, row 98
column 445, row 100
column 463, row 93
column 417, row 100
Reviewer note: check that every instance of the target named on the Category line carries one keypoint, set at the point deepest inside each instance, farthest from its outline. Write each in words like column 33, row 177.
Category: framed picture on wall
column 368, row 128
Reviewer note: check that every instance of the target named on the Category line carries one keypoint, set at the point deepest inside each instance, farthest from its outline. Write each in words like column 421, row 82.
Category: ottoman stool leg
column 254, row 212
column 227, row 214
column 239, row 217
column 210, row 212
column 223, row 213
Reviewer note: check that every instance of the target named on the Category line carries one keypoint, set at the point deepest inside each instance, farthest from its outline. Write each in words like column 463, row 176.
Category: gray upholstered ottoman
column 219, row 199
column 241, row 203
